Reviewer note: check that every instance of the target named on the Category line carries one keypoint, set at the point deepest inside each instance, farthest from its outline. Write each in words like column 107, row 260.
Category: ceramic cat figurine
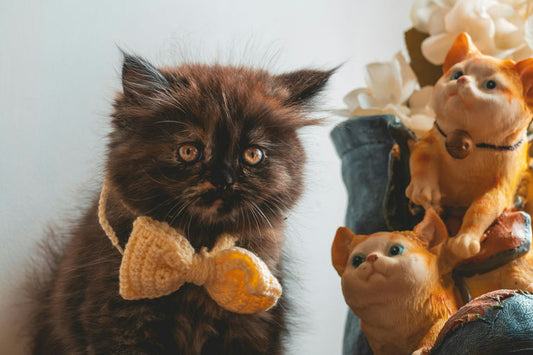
column 400, row 283
column 474, row 156
column 392, row 282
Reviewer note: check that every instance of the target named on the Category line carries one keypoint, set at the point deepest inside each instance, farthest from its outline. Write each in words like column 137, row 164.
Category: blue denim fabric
column 363, row 144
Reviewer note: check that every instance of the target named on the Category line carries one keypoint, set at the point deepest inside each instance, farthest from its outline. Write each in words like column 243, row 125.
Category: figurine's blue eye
column 395, row 250
column 358, row 260
column 489, row 84
column 456, row 75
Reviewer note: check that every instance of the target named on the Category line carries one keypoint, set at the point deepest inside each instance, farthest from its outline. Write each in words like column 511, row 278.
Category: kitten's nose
column 222, row 176
column 371, row 258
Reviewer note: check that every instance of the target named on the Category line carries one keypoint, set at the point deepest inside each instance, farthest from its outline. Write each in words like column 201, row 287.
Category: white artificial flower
column 421, row 115
column 497, row 27
column 393, row 88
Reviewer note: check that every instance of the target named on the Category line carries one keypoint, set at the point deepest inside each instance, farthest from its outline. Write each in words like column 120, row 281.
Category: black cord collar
column 486, row 145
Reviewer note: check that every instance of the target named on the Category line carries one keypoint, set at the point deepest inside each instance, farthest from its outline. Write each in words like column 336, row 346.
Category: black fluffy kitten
column 209, row 150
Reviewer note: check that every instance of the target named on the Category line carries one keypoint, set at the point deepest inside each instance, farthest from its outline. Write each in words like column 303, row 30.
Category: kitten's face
column 384, row 266
column 217, row 145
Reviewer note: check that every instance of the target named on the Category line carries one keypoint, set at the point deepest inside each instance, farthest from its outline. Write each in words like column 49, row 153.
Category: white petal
column 367, row 100
column 498, row 10
column 420, row 101
column 435, row 48
column 521, row 53
column 422, row 13
column 507, row 35
column 366, row 112
column 409, row 80
column 384, row 80
column 341, row 112
column 480, row 29
column 400, row 111
column 353, row 98
column 529, row 31
column 456, row 19
column 421, row 124
column 436, row 23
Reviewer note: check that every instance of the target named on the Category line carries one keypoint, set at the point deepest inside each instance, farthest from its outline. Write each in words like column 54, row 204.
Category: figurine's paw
column 530, row 288
column 425, row 195
column 422, row 351
column 465, row 245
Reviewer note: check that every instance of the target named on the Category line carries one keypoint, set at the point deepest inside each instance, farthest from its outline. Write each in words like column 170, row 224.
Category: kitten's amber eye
column 189, row 153
column 253, row 156
column 395, row 250
column 489, row 84
column 456, row 75
column 358, row 260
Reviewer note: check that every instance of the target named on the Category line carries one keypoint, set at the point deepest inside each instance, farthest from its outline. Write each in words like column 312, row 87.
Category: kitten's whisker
column 255, row 215
column 277, row 203
column 182, row 209
column 169, row 181
column 171, row 210
column 188, row 229
column 242, row 216
column 171, row 121
column 78, row 267
column 149, row 197
column 176, row 203
column 159, row 205
column 152, row 178
column 272, row 211
column 262, row 214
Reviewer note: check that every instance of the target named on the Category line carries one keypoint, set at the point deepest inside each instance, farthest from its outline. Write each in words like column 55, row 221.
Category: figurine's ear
column 462, row 47
column 140, row 78
column 301, row 87
column 341, row 248
column 525, row 70
column 431, row 230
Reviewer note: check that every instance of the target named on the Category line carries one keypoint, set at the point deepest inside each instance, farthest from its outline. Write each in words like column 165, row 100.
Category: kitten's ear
column 301, row 87
column 140, row 78
column 462, row 47
column 431, row 230
column 525, row 70
column 341, row 248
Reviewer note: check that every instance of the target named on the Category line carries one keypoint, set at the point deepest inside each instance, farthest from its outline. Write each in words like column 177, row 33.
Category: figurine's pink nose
column 463, row 80
column 371, row 258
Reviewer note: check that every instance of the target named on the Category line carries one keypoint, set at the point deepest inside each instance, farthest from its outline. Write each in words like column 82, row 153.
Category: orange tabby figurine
column 392, row 282
column 474, row 156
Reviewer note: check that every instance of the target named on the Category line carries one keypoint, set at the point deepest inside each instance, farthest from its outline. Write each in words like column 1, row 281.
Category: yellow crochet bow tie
column 158, row 260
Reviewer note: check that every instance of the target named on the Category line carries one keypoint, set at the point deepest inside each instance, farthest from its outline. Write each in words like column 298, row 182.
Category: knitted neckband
column 486, row 145
column 102, row 203
column 158, row 260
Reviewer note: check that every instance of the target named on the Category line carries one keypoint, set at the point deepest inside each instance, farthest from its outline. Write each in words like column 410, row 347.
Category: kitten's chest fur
column 86, row 314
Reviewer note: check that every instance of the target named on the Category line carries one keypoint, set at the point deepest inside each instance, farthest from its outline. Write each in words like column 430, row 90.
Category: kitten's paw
column 425, row 195
column 465, row 245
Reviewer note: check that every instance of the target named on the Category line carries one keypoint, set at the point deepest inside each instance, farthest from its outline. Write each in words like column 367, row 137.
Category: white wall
column 59, row 67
